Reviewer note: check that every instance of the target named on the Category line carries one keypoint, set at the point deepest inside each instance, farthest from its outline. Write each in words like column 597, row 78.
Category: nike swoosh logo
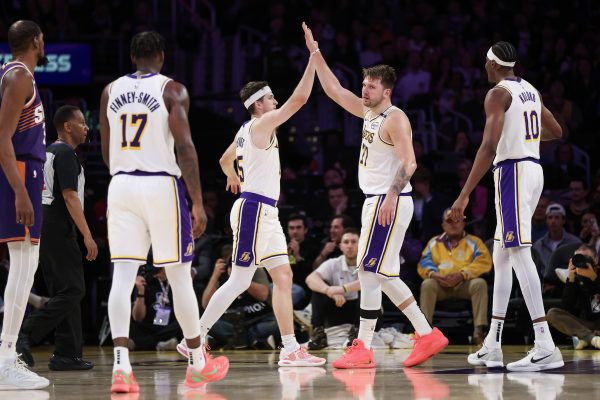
column 214, row 371
column 533, row 360
column 481, row 355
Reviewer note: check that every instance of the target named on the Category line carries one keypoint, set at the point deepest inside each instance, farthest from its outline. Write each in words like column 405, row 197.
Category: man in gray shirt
column 556, row 235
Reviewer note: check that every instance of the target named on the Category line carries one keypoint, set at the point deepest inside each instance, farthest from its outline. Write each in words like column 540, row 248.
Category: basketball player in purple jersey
column 22, row 156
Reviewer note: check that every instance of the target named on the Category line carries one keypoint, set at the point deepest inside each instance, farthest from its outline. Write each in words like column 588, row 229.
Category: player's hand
column 92, row 248
column 339, row 300
column 387, row 211
column 311, row 44
column 24, row 208
column 198, row 220
column 233, row 184
column 457, row 211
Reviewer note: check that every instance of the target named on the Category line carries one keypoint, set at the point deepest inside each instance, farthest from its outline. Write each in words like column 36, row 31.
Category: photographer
column 581, row 300
column 249, row 316
column 153, row 324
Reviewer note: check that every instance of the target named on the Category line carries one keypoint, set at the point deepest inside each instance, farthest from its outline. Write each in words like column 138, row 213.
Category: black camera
column 582, row 261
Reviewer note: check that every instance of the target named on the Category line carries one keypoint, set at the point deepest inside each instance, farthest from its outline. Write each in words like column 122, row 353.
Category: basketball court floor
column 255, row 375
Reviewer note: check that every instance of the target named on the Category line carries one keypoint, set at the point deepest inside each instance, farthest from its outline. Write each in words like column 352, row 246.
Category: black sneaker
column 318, row 340
column 60, row 363
column 24, row 350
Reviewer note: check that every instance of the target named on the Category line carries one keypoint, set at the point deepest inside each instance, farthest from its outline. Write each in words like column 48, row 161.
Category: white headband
column 492, row 56
column 257, row 96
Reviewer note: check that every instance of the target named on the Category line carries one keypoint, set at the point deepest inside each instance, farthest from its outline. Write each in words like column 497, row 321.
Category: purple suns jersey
column 29, row 140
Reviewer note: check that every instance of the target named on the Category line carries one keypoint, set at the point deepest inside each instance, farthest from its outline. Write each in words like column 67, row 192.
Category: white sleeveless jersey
column 140, row 138
column 259, row 169
column 522, row 122
column 377, row 165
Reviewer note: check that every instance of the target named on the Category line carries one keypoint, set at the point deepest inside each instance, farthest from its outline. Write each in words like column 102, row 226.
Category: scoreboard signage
column 68, row 63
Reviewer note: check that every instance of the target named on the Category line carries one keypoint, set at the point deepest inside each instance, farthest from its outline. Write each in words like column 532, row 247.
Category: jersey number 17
column 137, row 120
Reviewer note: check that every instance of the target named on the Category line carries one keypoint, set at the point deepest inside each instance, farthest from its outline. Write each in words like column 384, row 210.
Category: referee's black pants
column 62, row 267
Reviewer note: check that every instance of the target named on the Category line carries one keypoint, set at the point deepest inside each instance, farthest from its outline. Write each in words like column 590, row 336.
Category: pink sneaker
column 299, row 358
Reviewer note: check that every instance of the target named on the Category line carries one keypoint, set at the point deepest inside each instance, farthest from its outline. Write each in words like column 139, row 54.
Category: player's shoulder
column 18, row 76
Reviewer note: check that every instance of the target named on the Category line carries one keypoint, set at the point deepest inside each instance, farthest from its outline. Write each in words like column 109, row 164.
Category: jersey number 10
column 532, row 126
column 137, row 120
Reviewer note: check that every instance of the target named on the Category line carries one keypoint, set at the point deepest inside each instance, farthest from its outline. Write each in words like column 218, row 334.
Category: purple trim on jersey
column 514, row 79
column 10, row 231
column 186, row 236
column 134, row 76
column 246, row 233
column 377, row 241
column 144, row 173
column 29, row 138
column 259, row 198
column 401, row 194
column 508, row 192
column 512, row 161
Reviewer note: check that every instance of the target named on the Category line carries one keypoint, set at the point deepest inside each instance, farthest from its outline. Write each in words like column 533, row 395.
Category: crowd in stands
column 438, row 50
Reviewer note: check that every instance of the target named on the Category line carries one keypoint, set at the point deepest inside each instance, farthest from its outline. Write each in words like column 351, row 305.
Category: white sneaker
column 170, row 344
column 562, row 274
column 596, row 342
column 14, row 375
column 304, row 316
column 299, row 358
column 538, row 359
column 182, row 348
column 403, row 341
column 486, row 357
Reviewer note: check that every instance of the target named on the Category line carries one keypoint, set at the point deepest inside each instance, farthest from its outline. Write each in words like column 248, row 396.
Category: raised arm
column 104, row 127
column 16, row 90
column 178, row 103
column 397, row 129
column 342, row 96
column 495, row 105
column 265, row 125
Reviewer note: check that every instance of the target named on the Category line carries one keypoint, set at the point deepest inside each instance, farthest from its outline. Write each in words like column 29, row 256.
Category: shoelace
column 21, row 367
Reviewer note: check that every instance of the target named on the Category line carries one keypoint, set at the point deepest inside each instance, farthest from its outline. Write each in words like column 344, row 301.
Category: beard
column 42, row 61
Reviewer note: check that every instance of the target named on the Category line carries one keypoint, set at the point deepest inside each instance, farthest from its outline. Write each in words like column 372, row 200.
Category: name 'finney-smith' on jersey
column 132, row 97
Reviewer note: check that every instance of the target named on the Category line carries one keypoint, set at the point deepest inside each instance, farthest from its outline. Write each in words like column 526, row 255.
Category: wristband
column 314, row 52
column 345, row 289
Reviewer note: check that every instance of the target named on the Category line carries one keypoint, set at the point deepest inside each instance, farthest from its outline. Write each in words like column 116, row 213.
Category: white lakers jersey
column 140, row 138
column 377, row 165
column 522, row 122
column 259, row 169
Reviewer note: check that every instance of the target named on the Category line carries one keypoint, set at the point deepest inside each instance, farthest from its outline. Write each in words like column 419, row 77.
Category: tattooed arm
column 397, row 130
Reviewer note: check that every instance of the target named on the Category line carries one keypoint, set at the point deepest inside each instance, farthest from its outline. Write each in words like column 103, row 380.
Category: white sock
column 542, row 335
column 122, row 359
column 493, row 340
column 289, row 343
column 366, row 329
column 23, row 264
column 417, row 319
column 196, row 358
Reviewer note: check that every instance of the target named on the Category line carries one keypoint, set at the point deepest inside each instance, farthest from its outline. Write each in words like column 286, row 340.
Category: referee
column 60, row 257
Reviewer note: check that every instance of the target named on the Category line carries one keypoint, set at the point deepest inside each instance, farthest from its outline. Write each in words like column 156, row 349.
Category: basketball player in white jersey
column 258, row 239
column 386, row 163
column 143, row 119
column 516, row 121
